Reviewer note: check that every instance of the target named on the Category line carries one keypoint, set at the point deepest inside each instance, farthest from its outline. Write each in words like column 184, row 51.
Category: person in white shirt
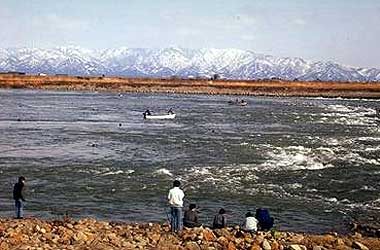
column 175, row 199
column 250, row 224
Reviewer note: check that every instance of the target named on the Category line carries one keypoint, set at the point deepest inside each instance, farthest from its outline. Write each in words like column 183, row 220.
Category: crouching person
column 265, row 220
column 191, row 217
column 250, row 223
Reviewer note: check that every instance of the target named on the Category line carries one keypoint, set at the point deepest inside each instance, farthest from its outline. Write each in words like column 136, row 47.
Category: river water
column 315, row 163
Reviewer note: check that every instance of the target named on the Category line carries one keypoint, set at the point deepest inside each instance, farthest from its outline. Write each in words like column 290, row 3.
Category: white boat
column 159, row 117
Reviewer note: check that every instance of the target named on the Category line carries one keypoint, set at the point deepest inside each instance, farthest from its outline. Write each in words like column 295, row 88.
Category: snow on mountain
column 178, row 62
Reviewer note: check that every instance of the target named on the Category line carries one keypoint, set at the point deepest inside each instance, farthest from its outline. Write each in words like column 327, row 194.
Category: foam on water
column 113, row 173
column 348, row 115
column 297, row 158
column 163, row 171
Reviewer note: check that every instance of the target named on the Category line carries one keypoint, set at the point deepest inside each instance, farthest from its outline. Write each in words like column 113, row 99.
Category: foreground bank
column 272, row 87
column 92, row 234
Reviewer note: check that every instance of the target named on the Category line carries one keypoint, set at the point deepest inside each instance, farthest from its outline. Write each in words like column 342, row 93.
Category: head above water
column 176, row 183
column 222, row 211
column 21, row 179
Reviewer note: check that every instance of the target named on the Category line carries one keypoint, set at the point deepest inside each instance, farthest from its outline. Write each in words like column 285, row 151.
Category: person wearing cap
column 175, row 199
column 191, row 217
column 18, row 197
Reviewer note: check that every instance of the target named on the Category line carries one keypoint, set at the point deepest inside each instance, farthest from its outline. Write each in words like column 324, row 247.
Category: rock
column 317, row 248
column 231, row 246
column 248, row 239
column 275, row 245
column 339, row 242
column 297, row 239
column 223, row 241
column 154, row 237
column 255, row 247
column 189, row 236
column 128, row 245
column 265, row 245
column 4, row 246
column 80, row 237
column 192, row 246
column 357, row 235
column 208, row 235
column 297, row 247
column 358, row 245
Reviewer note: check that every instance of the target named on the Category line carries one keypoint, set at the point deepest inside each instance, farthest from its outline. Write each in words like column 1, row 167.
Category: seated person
column 170, row 111
column 190, row 218
column 220, row 220
column 250, row 224
column 265, row 220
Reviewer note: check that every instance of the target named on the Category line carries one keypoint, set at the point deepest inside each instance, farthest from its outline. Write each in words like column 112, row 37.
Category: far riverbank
column 195, row 86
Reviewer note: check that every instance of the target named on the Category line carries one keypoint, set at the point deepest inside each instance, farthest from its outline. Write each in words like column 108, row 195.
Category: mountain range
column 176, row 62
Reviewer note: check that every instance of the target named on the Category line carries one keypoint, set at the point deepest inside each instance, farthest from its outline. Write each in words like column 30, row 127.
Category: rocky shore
column 35, row 234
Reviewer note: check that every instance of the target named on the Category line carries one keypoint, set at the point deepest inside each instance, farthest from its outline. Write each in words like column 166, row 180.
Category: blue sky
column 344, row 31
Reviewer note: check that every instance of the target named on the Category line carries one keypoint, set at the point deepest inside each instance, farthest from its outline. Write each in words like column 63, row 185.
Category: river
column 313, row 162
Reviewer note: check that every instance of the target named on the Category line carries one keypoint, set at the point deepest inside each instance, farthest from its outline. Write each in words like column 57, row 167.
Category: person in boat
column 147, row 112
column 18, row 197
column 190, row 218
column 170, row 111
column 220, row 220
column 175, row 199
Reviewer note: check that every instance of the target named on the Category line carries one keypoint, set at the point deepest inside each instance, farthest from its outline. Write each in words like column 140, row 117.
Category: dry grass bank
column 195, row 86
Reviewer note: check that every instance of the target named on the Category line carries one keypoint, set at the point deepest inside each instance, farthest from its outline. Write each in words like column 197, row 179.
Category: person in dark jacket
column 220, row 220
column 18, row 197
column 191, row 217
column 265, row 220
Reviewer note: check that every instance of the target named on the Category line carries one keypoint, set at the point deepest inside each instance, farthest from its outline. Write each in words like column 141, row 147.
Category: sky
column 343, row 31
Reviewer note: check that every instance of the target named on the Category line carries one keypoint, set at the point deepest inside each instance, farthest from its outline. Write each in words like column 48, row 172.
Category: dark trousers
column 176, row 219
column 19, row 208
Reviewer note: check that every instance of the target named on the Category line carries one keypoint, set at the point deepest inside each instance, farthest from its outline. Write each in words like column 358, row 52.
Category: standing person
column 175, row 198
column 18, row 197
column 250, row 224
column 191, row 217
column 220, row 220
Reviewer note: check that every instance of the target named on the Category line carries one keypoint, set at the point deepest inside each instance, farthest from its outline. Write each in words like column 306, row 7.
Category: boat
column 159, row 117
column 243, row 103
column 237, row 102
column 169, row 115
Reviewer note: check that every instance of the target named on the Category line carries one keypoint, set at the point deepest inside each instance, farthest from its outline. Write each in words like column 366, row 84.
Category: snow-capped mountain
column 176, row 62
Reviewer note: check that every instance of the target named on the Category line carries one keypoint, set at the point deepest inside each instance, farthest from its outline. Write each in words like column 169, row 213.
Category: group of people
column 262, row 219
